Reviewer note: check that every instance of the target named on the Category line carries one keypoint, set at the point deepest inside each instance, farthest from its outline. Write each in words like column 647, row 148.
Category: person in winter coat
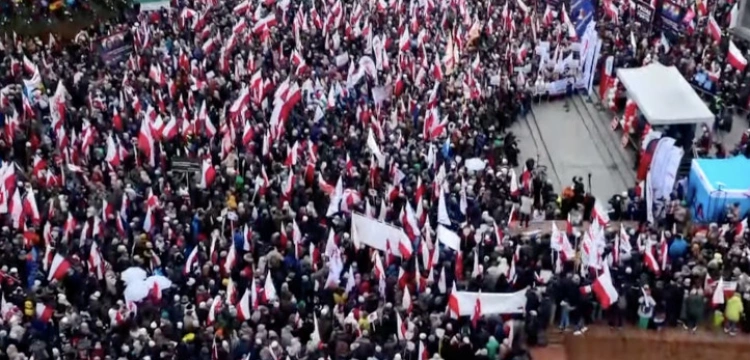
column 733, row 312
column 492, row 348
column 694, row 308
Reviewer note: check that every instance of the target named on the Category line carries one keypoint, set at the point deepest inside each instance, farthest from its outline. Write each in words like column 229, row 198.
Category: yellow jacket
column 734, row 308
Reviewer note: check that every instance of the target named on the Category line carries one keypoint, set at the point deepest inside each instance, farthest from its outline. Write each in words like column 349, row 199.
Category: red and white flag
column 650, row 260
column 604, row 290
column 713, row 29
column 58, row 268
column 243, row 306
column 213, row 310
column 406, row 300
column 735, row 57
column 44, row 312
column 191, row 260
column 741, row 227
column 208, row 174
column 95, row 261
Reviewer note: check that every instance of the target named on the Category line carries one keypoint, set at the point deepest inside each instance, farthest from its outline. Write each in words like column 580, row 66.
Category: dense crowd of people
column 183, row 184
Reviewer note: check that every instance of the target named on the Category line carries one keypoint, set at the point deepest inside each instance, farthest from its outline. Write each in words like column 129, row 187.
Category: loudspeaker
column 740, row 24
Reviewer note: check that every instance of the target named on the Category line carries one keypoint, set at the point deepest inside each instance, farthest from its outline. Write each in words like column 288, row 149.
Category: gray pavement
column 576, row 143
column 581, row 141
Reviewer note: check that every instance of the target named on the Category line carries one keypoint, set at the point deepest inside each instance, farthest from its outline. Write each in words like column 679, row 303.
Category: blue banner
column 114, row 49
column 671, row 14
column 581, row 14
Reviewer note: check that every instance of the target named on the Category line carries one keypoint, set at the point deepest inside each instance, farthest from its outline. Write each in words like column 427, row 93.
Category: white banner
column 664, row 166
column 589, row 71
column 153, row 5
column 558, row 87
column 491, row 303
column 376, row 234
column 590, row 49
column 448, row 238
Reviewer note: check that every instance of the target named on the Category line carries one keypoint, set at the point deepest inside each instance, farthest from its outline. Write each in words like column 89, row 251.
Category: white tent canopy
column 663, row 96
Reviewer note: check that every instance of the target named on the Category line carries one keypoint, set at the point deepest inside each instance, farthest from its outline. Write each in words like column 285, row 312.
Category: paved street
column 581, row 141
column 575, row 143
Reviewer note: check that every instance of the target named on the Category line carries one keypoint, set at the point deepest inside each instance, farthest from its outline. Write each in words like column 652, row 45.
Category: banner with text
column 644, row 15
column 114, row 48
column 670, row 18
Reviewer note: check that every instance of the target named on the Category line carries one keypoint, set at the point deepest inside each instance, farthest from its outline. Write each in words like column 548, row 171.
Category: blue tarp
column 716, row 183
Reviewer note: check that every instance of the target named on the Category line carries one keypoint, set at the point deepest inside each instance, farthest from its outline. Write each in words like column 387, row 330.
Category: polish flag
column 16, row 209
column 242, row 7
column 286, row 192
column 95, row 261
column 39, row 165
column 513, row 216
column 191, row 260
column 604, row 290
column 404, row 42
column 30, row 208
column 113, row 156
column 718, row 296
column 247, row 238
column 291, row 154
column 663, row 252
column 548, row 16
column 401, row 327
column 453, row 305
column 406, row 300
column 215, row 307
column 650, row 260
column 600, row 213
column 208, row 174
column 713, row 28
column 442, row 280
column 243, row 306
column 424, row 250
column 58, row 268
column 170, row 130
column 422, row 352
column 254, row 302
column 514, row 189
column 411, row 225
column 231, row 259
column 265, row 23
column 512, row 269
column 149, row 220
column 269, row 289
column 69, row 226
column 735, row 57
column 44, row 312
column 146, row 140
column 741, row 227
column 476, row 271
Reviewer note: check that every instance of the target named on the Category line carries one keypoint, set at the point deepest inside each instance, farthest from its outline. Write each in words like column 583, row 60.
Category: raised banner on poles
column 114, row 48
column 671, row 13
column 644, row 15
column 152, row 5
column 491, row 303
